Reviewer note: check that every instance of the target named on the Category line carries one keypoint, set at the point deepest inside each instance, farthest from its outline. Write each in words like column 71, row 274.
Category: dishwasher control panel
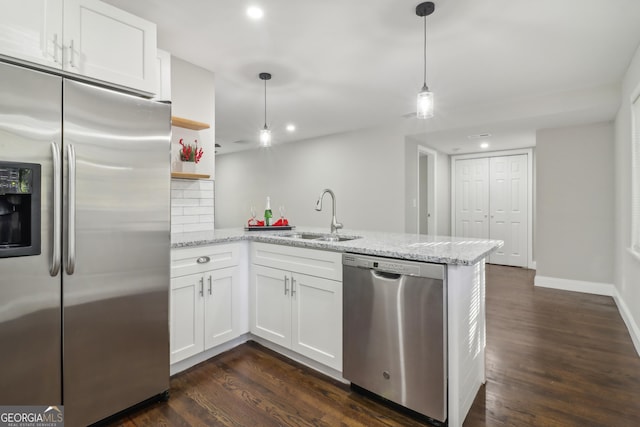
column 388, row 265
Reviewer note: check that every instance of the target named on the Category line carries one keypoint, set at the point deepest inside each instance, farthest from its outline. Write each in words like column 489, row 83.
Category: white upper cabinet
column 108, row 44
column 85, row 37
column 32, row 30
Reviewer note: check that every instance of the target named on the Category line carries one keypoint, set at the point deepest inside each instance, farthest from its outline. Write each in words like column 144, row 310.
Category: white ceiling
column 341, row 65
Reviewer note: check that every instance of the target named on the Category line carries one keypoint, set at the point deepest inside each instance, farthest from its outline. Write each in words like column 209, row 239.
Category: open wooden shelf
column 185, row 175
column 188, row 124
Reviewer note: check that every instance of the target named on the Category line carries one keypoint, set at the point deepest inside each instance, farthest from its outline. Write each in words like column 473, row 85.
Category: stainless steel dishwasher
column 395, row 331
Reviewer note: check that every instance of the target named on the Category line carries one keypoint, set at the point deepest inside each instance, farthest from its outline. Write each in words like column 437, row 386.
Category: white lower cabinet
column 206, row 306
column 298, row 311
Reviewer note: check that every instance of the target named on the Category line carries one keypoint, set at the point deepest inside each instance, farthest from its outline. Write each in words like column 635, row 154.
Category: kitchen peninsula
column 232, row 262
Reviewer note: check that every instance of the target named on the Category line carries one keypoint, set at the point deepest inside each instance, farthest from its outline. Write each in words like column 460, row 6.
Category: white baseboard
column 607, row 289
column 596, row 288
column 632, row 326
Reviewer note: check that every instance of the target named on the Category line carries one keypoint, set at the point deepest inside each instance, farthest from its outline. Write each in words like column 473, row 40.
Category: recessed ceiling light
column 254, row 12
column 291, row 127
column 484, row 145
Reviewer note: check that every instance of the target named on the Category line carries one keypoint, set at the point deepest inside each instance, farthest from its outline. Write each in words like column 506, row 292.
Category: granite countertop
column 416, row 247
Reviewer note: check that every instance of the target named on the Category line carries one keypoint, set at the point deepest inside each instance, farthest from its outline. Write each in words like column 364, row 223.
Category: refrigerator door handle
column 71, row 211
column 57, row 210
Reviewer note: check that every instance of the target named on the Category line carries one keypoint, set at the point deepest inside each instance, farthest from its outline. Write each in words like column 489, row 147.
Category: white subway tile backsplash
column 192, row 205
column 185, row 202
column 206, row 185
column 206, row 210
column 198, row 227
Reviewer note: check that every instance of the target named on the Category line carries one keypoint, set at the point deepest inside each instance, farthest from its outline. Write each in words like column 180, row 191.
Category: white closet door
column 472, row 198
column 508, row 204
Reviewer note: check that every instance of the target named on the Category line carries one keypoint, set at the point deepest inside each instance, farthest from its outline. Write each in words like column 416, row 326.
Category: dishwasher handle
column 385, row 275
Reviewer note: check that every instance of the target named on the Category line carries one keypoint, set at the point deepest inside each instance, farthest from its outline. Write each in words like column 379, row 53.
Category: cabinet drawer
column 204, row 258
column 313, row 262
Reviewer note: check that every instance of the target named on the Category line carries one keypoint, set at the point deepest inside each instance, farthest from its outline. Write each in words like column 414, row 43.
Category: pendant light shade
column 425, row 103
column 265, row 132
column 424, row 108
column 265, row 137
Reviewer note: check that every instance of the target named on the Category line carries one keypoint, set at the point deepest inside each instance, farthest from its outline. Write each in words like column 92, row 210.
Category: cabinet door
column 187, row 316
column 109, row 44
column 271, row 304
column 317, row 319
column 32, row 31
column 220, row 311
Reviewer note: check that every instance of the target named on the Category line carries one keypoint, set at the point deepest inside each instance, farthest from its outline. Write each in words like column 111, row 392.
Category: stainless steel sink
column 321, row 237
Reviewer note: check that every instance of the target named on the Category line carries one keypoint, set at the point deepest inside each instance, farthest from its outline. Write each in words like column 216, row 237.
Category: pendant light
column 265, row 132
column 425, row 97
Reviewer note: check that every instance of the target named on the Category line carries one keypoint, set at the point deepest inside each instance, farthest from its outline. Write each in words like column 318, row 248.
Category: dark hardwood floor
column 554, row 358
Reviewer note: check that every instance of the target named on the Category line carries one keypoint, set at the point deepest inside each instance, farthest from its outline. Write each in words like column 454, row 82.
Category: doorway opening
column 426, row 203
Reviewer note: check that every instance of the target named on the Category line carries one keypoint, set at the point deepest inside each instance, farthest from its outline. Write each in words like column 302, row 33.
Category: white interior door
column 508, row 203
column 472, row 198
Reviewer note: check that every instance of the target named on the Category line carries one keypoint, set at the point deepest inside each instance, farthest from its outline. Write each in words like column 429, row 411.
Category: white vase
column 188, row 167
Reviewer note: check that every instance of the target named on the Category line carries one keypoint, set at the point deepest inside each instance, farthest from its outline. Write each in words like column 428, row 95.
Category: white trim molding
column 596, row 288
column 632, row 326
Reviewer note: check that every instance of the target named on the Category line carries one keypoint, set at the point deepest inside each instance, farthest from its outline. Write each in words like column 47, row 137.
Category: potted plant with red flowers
column 190, row 155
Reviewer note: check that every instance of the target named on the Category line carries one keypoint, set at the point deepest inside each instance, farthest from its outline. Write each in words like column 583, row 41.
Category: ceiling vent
column 479, row 136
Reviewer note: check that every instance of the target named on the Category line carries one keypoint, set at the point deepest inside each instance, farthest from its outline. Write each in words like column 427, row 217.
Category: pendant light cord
column 425, row 51
column 265, row 103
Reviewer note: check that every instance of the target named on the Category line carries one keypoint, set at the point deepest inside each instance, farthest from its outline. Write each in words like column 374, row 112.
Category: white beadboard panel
column 192, row 205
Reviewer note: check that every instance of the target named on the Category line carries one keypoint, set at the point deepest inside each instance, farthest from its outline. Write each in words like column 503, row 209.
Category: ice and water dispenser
column 19, row 209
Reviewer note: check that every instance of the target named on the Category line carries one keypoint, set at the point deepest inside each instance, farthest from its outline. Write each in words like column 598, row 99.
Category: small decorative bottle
column 267, row 213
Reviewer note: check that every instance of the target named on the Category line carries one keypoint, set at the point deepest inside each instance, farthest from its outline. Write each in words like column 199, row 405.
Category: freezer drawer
column 395, row 331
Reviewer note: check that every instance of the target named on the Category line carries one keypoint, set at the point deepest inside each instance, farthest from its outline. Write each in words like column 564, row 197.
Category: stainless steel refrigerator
column 84, row 245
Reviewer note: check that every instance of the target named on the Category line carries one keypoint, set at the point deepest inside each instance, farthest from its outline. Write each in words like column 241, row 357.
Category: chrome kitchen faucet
column 335, row 225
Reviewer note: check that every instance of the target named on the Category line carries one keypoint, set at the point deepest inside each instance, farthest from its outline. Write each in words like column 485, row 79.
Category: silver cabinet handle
column 55, row 49
column 57, row 210
column 293, row 286
column 71, row 54
column 203, row 260
column 202, row 286
column 286, row 285
column 71, row 210
column 210, row 285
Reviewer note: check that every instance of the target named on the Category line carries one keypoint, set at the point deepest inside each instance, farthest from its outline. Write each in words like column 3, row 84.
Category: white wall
column 443, row 184
column 193, row 97
column 627, row 276
column 575, row 203
column 364, row 168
